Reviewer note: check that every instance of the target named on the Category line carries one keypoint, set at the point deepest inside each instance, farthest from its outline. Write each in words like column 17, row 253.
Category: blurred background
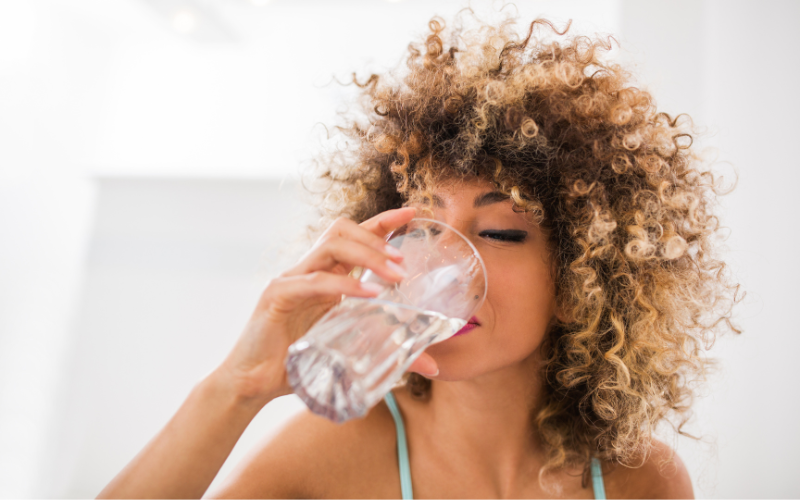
column 150, row 153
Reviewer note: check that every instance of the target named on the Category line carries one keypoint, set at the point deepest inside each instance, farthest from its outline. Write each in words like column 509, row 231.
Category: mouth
column 473, row 323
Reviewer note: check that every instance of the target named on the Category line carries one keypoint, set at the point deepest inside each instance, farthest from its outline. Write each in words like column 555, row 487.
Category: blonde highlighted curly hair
column 627, row 205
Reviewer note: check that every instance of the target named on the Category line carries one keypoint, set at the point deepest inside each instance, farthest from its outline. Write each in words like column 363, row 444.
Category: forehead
column 481, row 199
column 477, row 196
column 476, row 193
column 474, row 199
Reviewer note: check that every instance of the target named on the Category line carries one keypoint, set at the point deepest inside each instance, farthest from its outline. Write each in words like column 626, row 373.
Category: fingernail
column 371, row 287
column 393, row 251
column 433, row 374
column 394, row 267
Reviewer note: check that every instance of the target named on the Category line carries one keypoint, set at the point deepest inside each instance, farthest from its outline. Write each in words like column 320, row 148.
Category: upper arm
column 673, row 478
column 312, row 457
column 281, row 465
column 663, row 475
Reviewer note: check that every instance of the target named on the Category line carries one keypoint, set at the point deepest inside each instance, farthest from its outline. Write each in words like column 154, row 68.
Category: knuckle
column 328, row 239
column 328, row 247
column 334, row 226
column 273, row 283
column 315, row 277
column 334, row 242
column 341, row 221
column 271, row 288
column 324, row 237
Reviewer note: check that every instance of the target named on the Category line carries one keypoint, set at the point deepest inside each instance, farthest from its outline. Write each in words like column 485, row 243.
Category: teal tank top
column 405, row 470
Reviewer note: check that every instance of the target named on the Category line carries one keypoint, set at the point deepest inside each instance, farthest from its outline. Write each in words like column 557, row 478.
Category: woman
column 595, row 224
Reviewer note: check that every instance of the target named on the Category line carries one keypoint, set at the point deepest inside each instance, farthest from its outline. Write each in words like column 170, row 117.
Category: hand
column 298, row 297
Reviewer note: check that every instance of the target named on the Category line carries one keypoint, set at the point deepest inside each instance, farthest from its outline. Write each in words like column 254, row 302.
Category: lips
column 473, row 323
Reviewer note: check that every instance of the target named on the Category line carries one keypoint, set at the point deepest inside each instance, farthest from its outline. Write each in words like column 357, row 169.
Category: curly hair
column 626, row 204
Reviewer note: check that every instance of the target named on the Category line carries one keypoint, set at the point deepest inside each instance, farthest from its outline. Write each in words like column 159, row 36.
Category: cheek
column 519, row 306
column 523, row 300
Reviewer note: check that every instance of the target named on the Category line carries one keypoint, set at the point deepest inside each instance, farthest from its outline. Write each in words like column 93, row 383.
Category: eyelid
column 506, row 231
column 512, row 235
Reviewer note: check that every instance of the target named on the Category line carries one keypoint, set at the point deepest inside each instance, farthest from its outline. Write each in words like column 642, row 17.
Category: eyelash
column 511, row 236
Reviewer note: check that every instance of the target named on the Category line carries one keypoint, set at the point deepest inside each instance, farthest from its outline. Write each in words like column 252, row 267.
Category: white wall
column 41, row 270
column 174, row 269
column 141, row 165
column 731, row 65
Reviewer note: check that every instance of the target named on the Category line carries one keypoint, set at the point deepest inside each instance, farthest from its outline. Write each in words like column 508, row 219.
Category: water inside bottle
column 354, row 355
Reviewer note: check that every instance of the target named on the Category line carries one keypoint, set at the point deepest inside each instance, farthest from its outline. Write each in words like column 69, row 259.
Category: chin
column 454, row 367
column 456, row 374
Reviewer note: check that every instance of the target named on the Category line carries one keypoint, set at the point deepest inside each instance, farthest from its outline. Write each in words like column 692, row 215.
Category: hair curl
column 614, row 183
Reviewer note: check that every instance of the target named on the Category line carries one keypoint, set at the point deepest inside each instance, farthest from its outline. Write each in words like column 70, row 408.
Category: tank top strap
column 597, row 480
column 402, row 447
column 405, row 469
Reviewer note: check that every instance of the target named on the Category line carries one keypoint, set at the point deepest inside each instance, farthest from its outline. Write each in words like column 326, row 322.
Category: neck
column 486, row 423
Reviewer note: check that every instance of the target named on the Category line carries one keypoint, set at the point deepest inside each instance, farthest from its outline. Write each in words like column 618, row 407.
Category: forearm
column 182, row 460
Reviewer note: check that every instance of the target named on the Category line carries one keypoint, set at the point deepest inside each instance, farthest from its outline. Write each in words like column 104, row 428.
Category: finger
column 342, row 228
column 387, row 221
column 295, row 289
column 346, row 228
column 351, row 253
column 372, row 231
column 424, row 365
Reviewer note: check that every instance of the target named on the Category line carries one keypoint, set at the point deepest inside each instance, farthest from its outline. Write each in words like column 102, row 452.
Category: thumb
column 424, row 365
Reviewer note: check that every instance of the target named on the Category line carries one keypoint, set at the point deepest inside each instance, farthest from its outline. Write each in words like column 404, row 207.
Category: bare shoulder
column 312, row 457
column 663, row 475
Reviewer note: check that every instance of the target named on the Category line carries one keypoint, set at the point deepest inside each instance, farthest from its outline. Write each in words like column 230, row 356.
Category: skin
column 473, row 438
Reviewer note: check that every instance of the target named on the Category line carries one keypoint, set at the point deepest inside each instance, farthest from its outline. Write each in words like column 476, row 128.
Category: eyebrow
column 480, row 201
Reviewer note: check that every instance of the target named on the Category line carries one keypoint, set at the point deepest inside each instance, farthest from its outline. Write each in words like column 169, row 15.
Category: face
column 520, row 300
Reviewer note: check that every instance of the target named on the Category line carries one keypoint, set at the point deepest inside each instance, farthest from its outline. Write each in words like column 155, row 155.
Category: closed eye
column 506, row 235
